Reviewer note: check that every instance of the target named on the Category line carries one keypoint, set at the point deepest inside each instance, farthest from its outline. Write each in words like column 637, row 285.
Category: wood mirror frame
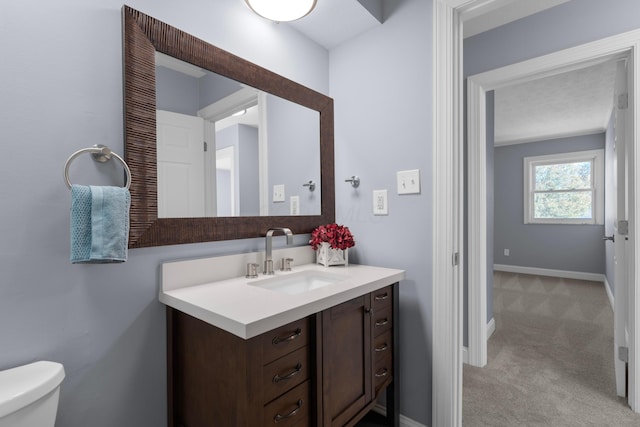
column 143, row 36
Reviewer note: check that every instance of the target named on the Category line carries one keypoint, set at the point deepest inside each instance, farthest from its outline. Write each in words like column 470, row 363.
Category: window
column 565, row 188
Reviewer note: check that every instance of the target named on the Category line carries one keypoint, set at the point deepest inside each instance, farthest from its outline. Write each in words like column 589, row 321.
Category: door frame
column 448, row 190
column 625, row 44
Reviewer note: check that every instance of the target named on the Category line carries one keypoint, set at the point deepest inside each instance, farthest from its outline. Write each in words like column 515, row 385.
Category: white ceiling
column 333, row 22
column 567, row 104
column 574, row 103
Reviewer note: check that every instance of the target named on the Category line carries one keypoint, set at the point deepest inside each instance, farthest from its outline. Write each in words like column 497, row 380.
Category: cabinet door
column 346, row 360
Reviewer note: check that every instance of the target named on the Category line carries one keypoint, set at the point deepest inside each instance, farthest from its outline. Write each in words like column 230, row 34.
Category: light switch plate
column 278, row 193
column 380, row 205
column 294, row 205
column 409, row 181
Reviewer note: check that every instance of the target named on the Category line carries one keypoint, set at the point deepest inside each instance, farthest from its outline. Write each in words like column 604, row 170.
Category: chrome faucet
column 268, row 261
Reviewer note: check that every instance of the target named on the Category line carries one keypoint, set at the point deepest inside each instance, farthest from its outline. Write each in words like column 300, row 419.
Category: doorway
column 477, row 87
column 448, row 189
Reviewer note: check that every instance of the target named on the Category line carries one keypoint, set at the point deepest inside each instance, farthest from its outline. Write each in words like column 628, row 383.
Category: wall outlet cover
column 409, row 181
column 294, row 205
column 278, row 193
column 380, row 202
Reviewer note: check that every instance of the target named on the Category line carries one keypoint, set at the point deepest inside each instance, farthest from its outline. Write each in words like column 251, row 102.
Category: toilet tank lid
column 23, row 385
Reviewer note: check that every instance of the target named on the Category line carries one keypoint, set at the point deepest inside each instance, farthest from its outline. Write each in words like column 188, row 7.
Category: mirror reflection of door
column 225, row 182
column 180, row 165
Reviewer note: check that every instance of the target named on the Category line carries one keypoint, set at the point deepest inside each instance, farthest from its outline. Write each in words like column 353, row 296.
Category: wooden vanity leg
column 169, row 320
column 393, row 390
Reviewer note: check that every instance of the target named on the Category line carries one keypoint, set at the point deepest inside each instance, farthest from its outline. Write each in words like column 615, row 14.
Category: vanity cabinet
column 218, row 379
column 326, row 369
column 357, row 358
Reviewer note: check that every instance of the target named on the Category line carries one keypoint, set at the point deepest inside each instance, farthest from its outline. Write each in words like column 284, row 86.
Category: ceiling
column 572, row 103
column 333, row 22
column 568, row 104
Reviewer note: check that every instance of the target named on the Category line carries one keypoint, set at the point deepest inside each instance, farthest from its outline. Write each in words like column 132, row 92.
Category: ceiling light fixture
column 282, row 10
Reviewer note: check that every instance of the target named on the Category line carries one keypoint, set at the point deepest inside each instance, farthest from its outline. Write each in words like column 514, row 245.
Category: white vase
column 328, row 256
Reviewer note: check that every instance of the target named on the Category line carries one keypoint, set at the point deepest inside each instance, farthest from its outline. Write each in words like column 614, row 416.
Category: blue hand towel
column 99, row 224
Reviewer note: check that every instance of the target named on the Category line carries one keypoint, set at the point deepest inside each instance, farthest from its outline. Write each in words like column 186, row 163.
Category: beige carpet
column 550, row 358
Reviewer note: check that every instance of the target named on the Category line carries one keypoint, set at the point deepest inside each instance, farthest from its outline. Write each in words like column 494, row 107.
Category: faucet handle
column 268, row 267
column 252, row 270
column 286, row 264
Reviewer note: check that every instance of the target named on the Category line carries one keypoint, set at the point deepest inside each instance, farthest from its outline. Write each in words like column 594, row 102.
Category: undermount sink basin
column 297, row 283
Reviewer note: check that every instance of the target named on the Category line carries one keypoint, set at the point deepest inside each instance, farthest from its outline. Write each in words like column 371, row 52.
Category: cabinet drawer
column 382, row 298
column 382, row 360
column 285, row 373
column 382, row 346
column 382, row 372
column 382, row 320
column 285, row 339
column 293, row 408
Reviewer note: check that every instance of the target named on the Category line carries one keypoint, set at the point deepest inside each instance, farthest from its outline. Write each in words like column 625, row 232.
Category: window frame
column 597, row 189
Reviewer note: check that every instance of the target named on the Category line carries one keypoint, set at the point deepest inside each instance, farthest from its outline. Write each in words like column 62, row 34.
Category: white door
column 226, row 185
column 621, row 282
column 180, row 145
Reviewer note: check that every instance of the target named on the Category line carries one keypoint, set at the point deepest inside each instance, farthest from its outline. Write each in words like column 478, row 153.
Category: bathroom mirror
column 250, row 137
column 145, row 38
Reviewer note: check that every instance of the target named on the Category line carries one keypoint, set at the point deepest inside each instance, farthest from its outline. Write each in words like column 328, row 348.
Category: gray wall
column 103, row 322
column 293, row 135
column 569, row 24
column 247, row 166
column 244, row 140
column 555, row 246
column 180, row 93
column 382, row 85
column 177, row 92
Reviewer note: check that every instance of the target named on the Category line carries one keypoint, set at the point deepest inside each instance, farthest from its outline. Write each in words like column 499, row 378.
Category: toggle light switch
column 409, row 182
column 278, row 193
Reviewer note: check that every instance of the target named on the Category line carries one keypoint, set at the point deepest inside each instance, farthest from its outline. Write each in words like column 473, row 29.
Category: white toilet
column 29, row 395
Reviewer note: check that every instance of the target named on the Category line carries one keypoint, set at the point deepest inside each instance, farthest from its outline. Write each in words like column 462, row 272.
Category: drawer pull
column 382, row 373
column 382, row 322
column 279, row 417
column 382, row 347
column 295, row 334
column 277, row 378
column 382, row 297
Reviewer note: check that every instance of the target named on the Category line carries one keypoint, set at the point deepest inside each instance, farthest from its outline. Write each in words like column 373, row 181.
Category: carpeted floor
column 550, row 358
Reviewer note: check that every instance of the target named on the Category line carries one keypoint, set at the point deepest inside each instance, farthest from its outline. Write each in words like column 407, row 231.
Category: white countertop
column 242, row 307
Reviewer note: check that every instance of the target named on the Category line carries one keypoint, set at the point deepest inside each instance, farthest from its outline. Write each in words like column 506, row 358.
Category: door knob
column 612, row 238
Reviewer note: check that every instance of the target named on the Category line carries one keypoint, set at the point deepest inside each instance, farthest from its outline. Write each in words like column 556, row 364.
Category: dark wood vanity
column 327, row 369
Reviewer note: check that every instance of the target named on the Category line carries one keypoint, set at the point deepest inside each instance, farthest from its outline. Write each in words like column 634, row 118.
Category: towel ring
column 100, row 153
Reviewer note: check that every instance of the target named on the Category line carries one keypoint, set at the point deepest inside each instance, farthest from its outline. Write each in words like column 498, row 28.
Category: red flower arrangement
column 338, row 237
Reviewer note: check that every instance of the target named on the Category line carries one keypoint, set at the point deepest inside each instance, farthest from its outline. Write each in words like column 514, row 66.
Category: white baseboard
column 491, row 328
column 404, row 421
column 596, row 277
column 607, row 287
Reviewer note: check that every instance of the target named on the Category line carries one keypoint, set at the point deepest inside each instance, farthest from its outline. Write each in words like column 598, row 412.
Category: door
column 621, row 241
column 346, row 361
column 180, row 145
column 225, row 182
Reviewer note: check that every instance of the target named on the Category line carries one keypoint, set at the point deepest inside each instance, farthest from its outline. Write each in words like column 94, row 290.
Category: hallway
column 550, row 359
